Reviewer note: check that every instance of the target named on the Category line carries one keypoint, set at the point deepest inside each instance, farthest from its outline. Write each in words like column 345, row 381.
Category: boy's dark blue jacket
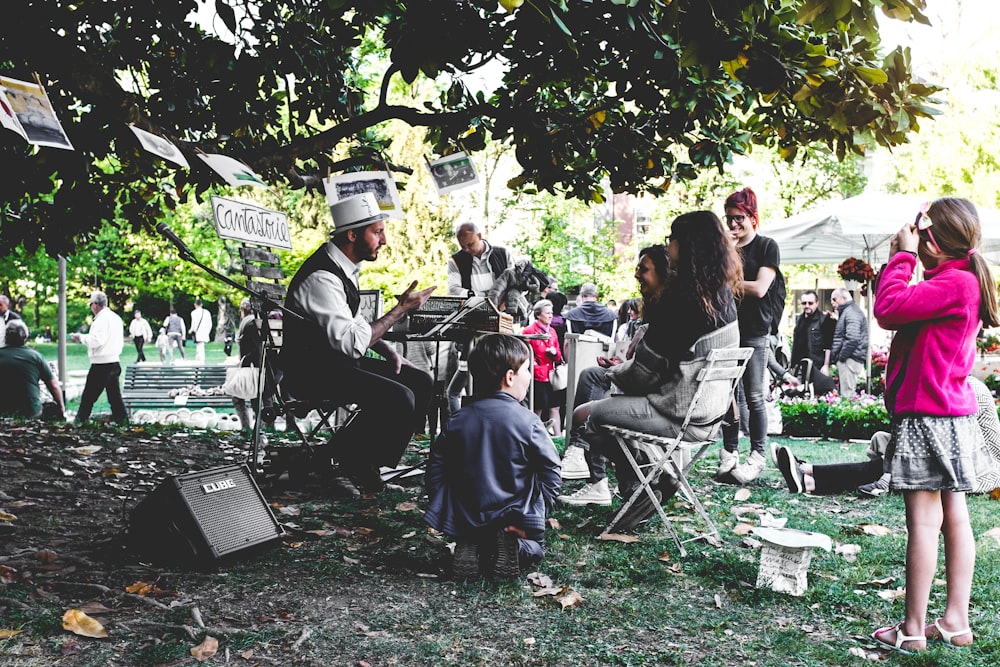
column 493, row 465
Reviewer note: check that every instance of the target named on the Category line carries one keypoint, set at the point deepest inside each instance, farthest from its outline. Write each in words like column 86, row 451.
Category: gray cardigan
column 670, row 391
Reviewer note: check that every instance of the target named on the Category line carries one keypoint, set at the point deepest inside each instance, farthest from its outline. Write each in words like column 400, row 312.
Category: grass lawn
column 76, row 360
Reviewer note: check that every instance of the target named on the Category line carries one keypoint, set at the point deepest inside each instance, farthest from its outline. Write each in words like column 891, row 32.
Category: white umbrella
column 860, row 226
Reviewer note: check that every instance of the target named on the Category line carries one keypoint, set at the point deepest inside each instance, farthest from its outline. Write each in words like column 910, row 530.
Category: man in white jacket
column 104, row 342
column 201, row 329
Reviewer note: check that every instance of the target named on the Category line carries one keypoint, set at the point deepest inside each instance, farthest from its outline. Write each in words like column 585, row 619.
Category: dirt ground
column 66, row 498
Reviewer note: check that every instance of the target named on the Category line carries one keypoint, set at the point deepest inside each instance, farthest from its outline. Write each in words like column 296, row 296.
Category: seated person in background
column 324, row 354
column 590, row 313
column 21, row 368
column 493, row 474
column 694, row 313
column 594, row 383
column 868, row 476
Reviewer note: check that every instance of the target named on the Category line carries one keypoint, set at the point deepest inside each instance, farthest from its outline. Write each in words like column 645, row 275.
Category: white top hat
column 357, row 211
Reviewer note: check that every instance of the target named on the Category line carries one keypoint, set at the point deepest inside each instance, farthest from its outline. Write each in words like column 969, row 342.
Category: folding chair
column 675, row 456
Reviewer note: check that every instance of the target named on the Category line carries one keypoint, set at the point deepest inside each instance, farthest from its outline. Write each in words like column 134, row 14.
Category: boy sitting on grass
column 493, row 473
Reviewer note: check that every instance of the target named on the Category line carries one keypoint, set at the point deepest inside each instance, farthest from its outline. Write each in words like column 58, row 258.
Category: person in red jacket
column 547, row 354
column 937, row 449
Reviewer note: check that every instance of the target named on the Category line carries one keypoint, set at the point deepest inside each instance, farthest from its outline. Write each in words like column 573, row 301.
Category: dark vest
column 464, row 262
column 305, row 345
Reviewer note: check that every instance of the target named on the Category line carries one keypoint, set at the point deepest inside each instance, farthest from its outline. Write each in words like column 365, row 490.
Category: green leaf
column 559, row 22
column 872, row 75
column 227, row 14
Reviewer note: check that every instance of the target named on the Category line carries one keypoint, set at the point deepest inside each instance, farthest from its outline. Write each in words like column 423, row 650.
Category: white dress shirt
column 322, row 297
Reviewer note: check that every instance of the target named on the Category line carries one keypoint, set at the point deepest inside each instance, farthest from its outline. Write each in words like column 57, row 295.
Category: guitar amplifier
column 203, row 517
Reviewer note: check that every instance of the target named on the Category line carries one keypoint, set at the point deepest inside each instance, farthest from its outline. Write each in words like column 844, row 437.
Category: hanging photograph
column 233, row 171
column 379, row 183
column 157, row 145
column 31, row 105
column 7, row 118
column 453, row 172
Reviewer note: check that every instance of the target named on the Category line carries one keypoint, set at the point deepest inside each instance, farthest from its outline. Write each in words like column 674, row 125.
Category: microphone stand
column 267, row 304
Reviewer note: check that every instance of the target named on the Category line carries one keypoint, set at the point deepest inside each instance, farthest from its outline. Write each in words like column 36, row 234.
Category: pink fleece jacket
column 936, row 322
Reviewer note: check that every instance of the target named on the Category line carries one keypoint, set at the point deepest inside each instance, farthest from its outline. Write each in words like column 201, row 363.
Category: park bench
column 157, row 387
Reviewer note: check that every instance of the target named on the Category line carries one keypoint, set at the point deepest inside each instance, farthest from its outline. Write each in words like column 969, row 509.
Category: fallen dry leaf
column 993, row 533
column 95, row 608
column 885, row 581
column 46, row 556
column 79, row 623
column 86, row 450
column 539, row 579
column 554, row 523
column 7, row 517
column 408, row 506
column 529, row 640
column 571, row 599
column 362, row 530
column 890, row 595
column 617, row 537
column 743, row 529
column 718, row 601
column 848, row 551
column 247, row 654
column 995, row 494
column 768, row 520
column 550, row 590
column 874, row 529
column 5, row 634
column 206, row 649
column 741, row 495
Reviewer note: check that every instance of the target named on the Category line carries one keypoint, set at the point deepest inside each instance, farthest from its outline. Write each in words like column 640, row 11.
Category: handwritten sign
column 245, row 222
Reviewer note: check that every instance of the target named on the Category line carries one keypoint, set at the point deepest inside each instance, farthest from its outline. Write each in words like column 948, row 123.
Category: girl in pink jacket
column 937, row 449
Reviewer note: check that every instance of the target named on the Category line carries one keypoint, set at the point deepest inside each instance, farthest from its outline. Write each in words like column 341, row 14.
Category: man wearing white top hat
column 323, row 356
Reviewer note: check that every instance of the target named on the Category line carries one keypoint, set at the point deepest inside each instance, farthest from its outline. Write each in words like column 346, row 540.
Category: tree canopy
column 640, row 93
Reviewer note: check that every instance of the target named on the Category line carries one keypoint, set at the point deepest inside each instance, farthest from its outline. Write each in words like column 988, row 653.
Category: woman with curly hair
column 693, row 313
column 760, row 268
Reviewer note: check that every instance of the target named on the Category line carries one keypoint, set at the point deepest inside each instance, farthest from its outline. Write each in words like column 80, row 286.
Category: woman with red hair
column 760, row 266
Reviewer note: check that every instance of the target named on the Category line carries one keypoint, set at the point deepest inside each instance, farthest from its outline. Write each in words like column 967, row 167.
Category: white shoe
column 749, row 471
column 574, row 465
column 727, row 461
column 596, row 493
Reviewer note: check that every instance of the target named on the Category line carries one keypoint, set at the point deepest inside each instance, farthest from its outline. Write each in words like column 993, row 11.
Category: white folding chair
column 676, row 455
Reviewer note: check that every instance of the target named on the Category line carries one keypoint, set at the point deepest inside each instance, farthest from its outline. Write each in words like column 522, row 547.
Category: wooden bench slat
column 150, row 386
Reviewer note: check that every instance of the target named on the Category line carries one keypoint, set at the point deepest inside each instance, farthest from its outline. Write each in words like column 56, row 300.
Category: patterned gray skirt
column 937, row 453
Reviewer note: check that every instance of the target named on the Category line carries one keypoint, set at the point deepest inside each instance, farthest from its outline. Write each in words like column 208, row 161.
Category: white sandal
column 947, row 636
column 900, row 638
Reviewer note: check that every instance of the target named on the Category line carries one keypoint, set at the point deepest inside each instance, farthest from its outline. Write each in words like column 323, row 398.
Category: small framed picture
column 453, row 172
column 379, row 183
column 31, row 106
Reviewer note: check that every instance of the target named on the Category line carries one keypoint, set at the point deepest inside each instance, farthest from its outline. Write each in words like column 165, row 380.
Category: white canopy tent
column 860, row 226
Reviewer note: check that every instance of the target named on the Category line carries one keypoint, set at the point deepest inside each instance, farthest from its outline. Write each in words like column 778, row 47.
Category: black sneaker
column 506, row 565
column 466, row 563
column 790, row 470
column 877, row 488
column 641, row 510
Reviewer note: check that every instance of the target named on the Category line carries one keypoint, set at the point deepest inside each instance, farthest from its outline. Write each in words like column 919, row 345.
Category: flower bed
column 833, row 417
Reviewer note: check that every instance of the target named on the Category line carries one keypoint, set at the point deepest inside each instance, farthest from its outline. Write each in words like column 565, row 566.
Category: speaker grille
column 230, row 509
column 203, row 516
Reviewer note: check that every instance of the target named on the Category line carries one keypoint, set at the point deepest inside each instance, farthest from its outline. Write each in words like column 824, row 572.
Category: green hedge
column 834, row 418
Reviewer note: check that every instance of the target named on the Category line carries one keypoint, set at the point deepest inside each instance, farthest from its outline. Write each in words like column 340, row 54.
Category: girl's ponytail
column 987, row 289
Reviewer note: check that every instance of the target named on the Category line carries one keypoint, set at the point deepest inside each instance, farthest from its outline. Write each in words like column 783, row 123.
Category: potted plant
column 855, row 271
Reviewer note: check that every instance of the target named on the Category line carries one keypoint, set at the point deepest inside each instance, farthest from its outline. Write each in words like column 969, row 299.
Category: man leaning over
column 323, row 355
column 471, row 272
